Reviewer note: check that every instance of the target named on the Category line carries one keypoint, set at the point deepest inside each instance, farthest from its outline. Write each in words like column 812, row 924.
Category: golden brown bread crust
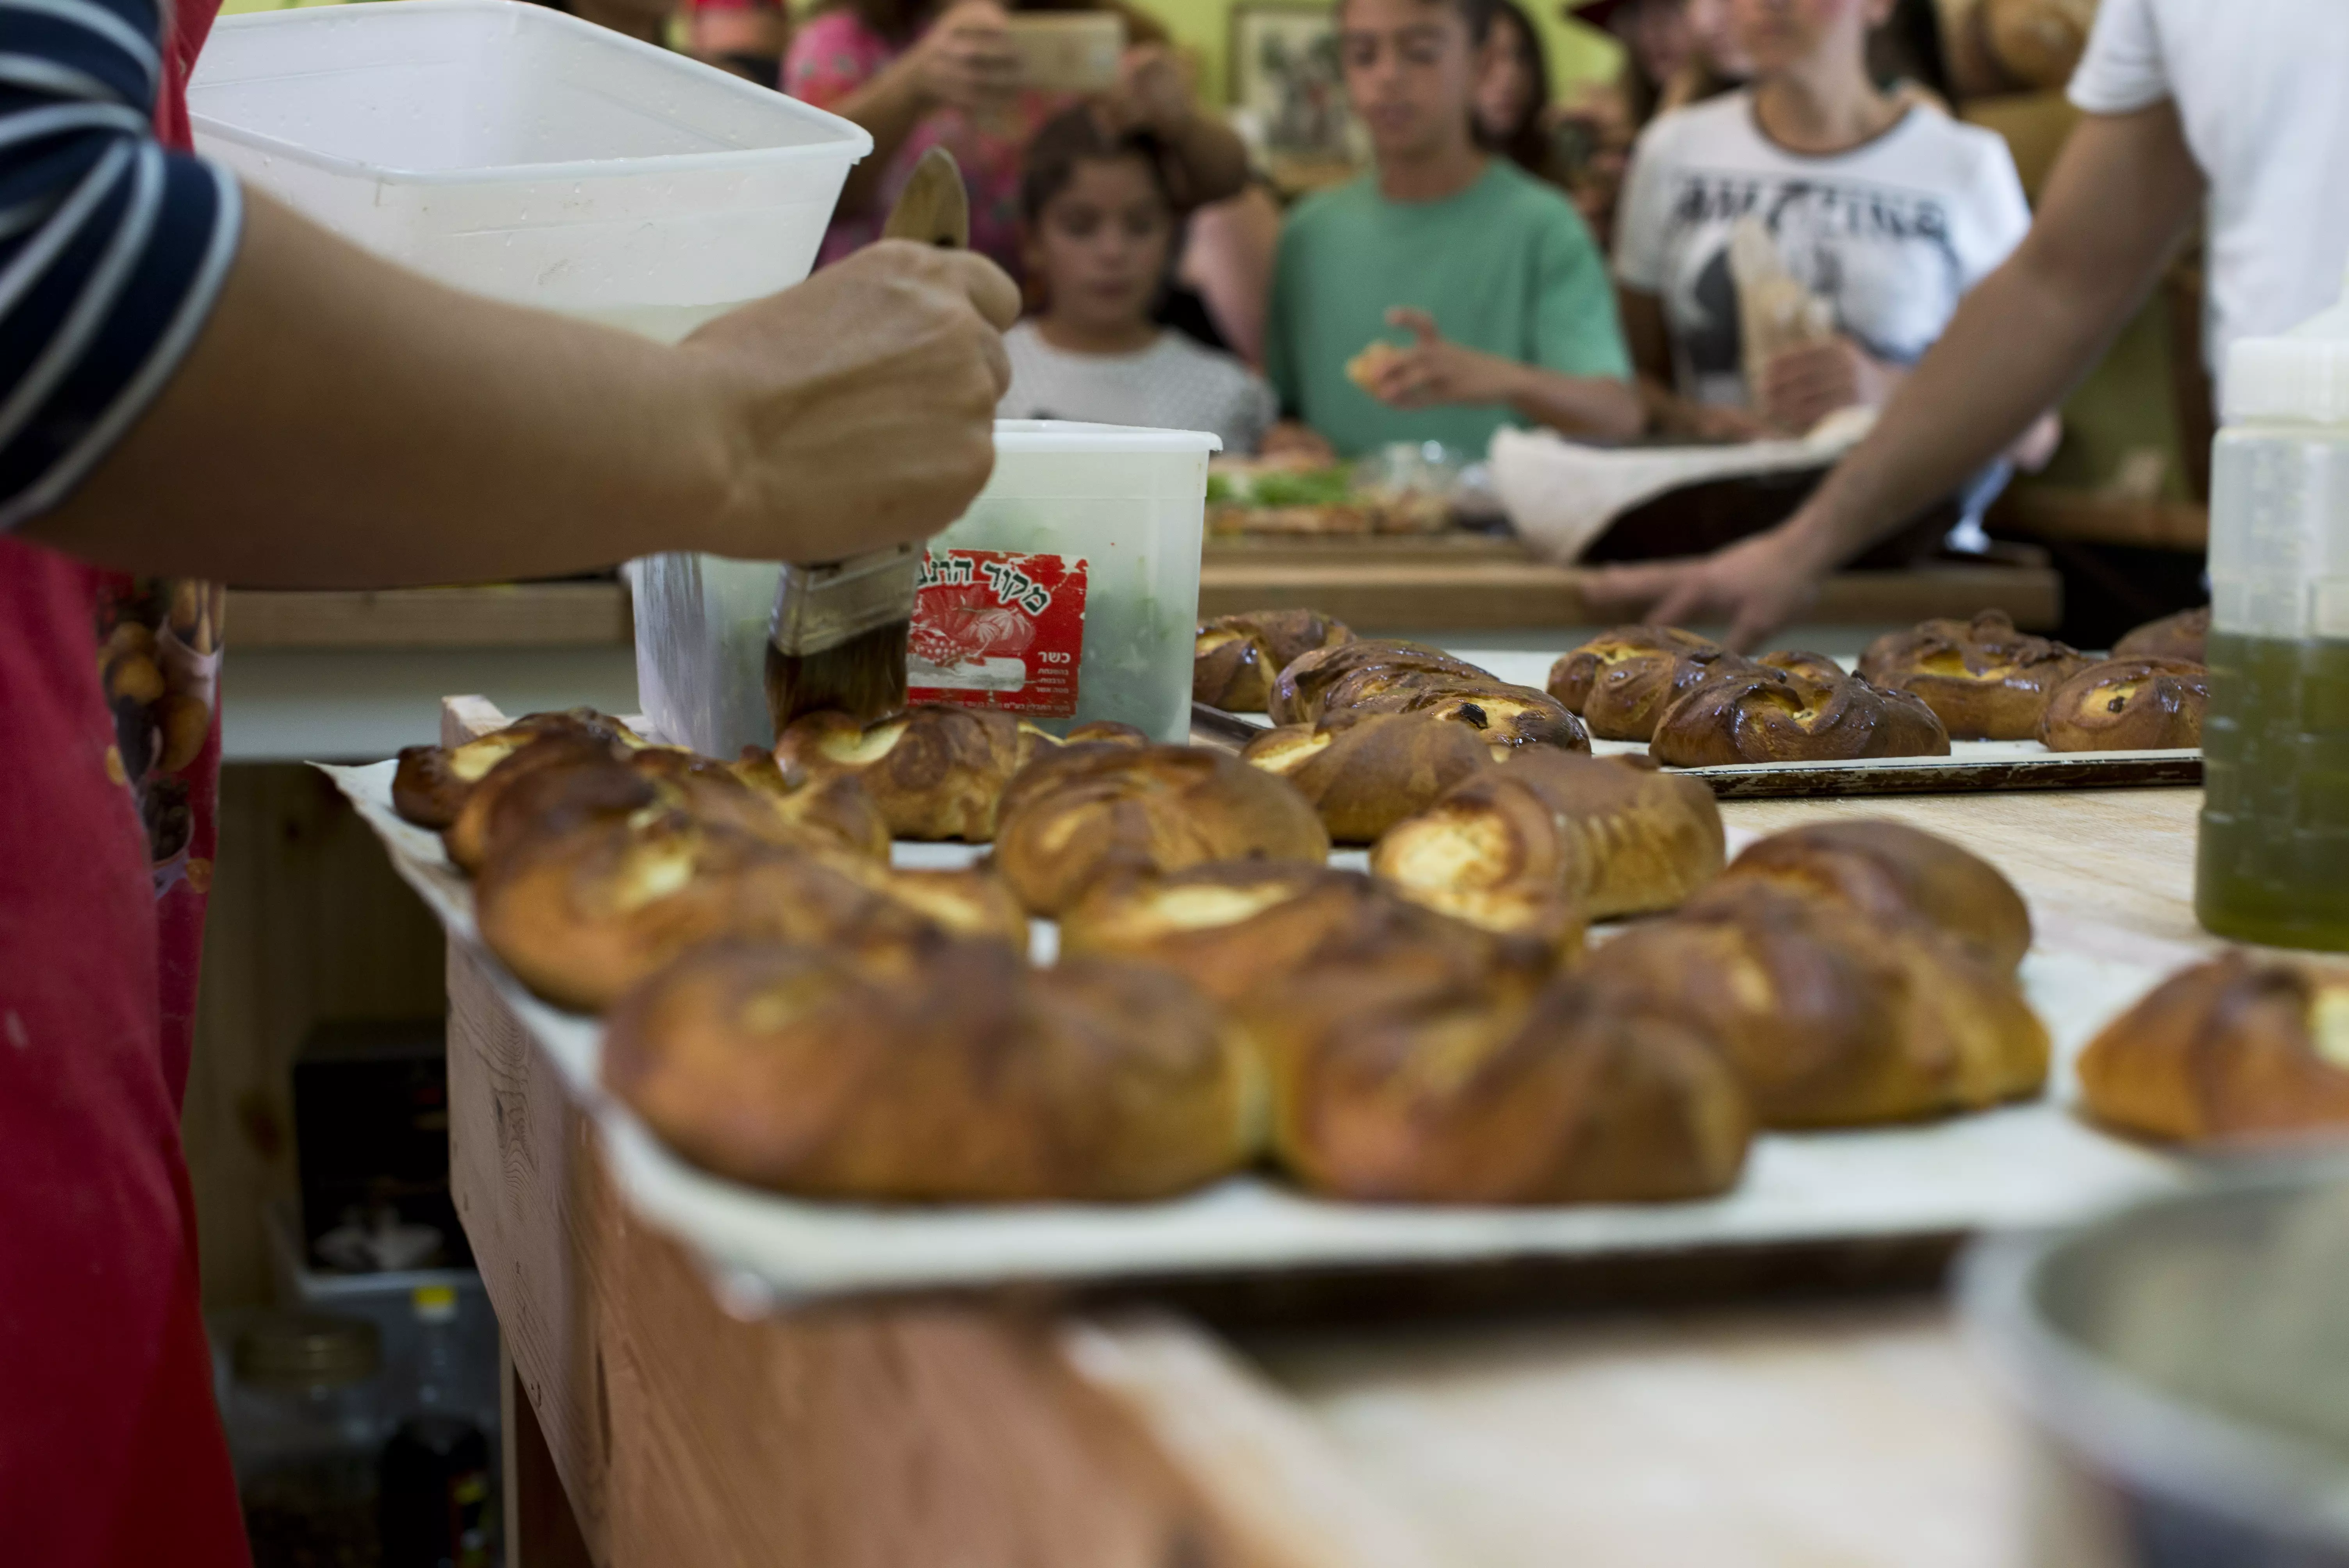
column 1405, row 677
column 948, row 1072
column 1236, row 658
column 563, row 780
column 936, row 771
column 2236, row 1049
column 834, row 807
column 1551, row 835
column 1650, row 649
column 1364, row 772
column 1621, row 680
column 1832, row 1016
column 1245, row 930
column 2185, row 636
column 430, row 786
column 1889, row 869
column 1088, row 812
column 1805, row 668
column 1443, row 1094
column 2127, row 705
column 555, row 778
column 1106, row 732
column 1301, row 691
column 1984, row 679
column 1759, row 715
column 579, row 913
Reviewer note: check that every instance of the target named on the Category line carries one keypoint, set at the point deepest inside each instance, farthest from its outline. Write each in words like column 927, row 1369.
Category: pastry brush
column 838, row 637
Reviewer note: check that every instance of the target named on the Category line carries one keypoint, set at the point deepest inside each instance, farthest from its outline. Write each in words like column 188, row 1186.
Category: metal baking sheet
column 2023, row 1165
column 1971, row 765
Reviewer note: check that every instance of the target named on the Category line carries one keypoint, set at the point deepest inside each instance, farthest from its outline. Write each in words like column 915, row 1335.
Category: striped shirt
column 112, row 249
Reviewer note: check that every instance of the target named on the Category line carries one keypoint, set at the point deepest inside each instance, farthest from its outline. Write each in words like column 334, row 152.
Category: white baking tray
column 2024, row 1165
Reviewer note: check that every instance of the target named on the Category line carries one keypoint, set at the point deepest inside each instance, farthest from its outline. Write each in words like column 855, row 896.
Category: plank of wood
column 1311, row 548
column 906, row 1433
column 2105, row 870
column 541, row 1225
column 1495, row 595
column 2085, row 517
column 1259, row 1461
column 517, row 616
column 1793, row 1437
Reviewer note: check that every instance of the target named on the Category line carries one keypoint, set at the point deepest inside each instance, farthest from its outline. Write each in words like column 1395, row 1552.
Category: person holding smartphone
column 919, row 74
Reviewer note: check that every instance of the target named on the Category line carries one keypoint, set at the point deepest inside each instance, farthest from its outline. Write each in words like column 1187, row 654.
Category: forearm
column 888, row 107
column 2012, row 349
column 341, row 421
column 2122, row 192
column 1596, row 406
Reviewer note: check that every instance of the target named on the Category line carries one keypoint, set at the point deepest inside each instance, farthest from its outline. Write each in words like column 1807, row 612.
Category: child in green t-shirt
column 1490, row 303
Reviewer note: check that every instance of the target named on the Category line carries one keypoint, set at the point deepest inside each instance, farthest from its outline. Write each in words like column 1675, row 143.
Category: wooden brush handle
column 933, row 209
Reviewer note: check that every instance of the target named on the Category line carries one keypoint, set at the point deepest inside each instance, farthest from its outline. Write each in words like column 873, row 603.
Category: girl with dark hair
column 943, row 73
column 1512, row 102
column 1098, row 213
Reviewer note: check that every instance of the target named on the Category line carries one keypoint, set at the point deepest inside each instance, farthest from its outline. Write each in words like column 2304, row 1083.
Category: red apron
column 110, row 1452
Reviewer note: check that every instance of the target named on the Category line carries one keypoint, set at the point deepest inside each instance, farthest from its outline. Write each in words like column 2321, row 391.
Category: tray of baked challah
column 946, row 1000
column 1948, row 706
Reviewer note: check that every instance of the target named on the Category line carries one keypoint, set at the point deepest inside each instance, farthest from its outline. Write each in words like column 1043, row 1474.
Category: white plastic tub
column 1122, row 508
column 518, row 152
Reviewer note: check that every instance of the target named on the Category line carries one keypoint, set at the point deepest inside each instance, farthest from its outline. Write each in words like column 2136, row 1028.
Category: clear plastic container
column 1114, row 512
column 2272, row 861
column 515, row 151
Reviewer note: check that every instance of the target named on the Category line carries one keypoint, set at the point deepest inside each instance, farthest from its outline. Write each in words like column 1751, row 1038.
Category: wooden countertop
column 1505, row 596
column 655, row 1425
column 1461, row 582
column 512, row 615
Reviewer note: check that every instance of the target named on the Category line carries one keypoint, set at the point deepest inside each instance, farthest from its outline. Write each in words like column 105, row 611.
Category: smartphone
column 1067, row 51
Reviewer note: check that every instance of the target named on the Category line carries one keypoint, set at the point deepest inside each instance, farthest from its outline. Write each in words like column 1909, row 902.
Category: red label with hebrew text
column 996, row 629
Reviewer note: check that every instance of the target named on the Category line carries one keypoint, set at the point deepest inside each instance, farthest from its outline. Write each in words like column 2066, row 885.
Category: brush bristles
column 864, row 677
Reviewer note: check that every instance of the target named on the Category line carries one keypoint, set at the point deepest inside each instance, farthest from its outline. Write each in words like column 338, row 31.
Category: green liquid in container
column 2274, row 863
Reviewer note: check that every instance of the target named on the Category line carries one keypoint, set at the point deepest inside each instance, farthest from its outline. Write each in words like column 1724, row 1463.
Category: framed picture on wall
column 1285, row 75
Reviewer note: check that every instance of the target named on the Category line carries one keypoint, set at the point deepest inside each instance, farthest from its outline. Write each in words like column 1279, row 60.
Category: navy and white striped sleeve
column 111, row 248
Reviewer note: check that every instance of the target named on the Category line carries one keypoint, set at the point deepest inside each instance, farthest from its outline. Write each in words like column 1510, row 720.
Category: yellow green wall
column 1576, row 53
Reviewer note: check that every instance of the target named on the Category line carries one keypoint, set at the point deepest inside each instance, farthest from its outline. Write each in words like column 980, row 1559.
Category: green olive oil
column 2273, row 861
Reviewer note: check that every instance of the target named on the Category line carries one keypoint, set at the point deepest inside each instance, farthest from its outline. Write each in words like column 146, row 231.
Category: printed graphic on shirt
column 1883, row 260
column 159, row 663
column 998, row 630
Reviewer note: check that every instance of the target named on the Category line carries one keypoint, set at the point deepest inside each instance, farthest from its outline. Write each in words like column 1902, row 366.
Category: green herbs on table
column 1316, row 487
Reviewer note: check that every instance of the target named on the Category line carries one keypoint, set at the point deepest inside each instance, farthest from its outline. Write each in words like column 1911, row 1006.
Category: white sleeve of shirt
column 2122, row 70
column 1642, row 211
column 2000, row 214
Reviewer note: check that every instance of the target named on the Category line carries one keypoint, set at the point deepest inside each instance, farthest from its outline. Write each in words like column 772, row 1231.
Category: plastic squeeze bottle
column 2273, row 864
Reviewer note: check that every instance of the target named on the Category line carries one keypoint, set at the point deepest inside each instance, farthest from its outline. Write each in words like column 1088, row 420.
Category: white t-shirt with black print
column 1174, row 385
column 1890, row 235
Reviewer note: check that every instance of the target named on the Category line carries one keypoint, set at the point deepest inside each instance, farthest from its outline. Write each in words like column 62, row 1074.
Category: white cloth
column 2262, row 89
column 1174, row 384
column 1890, row 235
column 1560, row 495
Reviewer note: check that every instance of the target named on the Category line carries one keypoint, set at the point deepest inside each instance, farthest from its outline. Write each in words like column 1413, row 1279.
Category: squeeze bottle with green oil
column 2272, row 864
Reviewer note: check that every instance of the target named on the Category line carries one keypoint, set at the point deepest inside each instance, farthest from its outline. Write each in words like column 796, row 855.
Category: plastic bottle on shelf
column 435, row 1508
column 2273, row 864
